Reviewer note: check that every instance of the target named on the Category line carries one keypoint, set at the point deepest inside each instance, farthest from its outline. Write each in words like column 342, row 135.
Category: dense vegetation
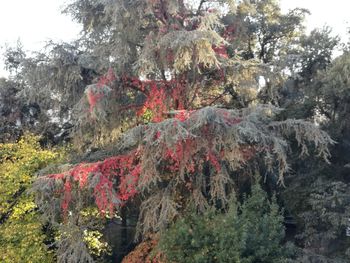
column 21, row 233
column 251, row 232
column 199, row 131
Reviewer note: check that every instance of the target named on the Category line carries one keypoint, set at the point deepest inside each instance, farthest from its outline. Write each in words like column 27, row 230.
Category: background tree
column 322, row 208
column 22, row 238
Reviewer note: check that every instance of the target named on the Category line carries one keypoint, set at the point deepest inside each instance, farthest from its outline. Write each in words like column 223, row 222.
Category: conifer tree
column 239, row 235
column 183, row 79
column 176, row 75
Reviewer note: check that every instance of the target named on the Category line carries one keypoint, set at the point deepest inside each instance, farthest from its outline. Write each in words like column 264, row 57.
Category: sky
column 333, row 13
column 36, row 21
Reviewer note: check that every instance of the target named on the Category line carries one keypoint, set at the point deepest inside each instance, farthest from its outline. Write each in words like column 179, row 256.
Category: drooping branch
column 194, row 154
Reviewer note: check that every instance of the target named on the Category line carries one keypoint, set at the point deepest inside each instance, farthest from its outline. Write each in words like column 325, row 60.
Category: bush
column 249, row 232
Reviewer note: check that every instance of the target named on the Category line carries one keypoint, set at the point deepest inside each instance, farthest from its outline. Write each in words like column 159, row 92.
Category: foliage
column 181, row 72
column 322, row 207
column 16, row 116
column 249, row 232
column 22, row 238
column 321, row 211
column 144, row 252
column 193, row 84
column 267, row 33
column 317, row 51
column 36, row 96
column 329, row 205
column 332, row 87
column 173, row 162
column 198, row 46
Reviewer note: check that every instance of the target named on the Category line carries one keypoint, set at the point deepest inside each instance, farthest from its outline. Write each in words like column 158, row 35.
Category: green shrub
column 249, row 232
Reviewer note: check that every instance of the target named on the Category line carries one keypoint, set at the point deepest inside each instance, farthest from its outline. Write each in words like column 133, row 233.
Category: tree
column 264, row 31
column 22, row 238
column 322, row 208
column 196, row 43
column 10, row 111
column 41, row 90
column 312, row 55
column 239, row 235
column 183, row 150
